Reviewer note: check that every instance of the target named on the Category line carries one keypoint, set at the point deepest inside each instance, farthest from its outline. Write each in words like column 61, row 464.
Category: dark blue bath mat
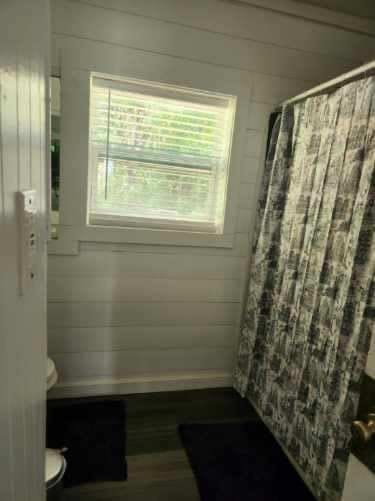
column 94, row 435
column 240, row 461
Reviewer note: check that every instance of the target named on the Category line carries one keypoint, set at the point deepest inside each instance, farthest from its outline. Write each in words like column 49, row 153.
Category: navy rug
column 240, row 461
column 95, row 438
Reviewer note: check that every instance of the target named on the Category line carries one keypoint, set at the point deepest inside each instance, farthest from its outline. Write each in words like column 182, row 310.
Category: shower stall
column 309, row 313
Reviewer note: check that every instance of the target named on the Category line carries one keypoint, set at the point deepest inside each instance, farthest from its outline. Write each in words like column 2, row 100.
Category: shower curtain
column 310, row 307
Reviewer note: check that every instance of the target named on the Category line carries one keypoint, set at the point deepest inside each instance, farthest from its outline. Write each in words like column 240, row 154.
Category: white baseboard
column 146, row 384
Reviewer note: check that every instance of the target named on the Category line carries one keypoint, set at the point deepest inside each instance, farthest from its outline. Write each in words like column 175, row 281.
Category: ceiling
column 362, row 8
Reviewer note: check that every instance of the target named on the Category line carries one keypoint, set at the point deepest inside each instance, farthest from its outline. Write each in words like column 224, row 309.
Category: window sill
column 140, row 223
column 70, row 236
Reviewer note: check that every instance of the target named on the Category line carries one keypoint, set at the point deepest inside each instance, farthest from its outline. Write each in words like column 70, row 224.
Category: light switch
column 28, row 241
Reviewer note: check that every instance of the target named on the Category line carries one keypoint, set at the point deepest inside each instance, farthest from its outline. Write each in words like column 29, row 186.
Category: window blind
column 159, row 154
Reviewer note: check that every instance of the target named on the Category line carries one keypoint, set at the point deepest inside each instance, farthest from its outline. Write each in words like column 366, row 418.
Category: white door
column 24, row 47
column 359, row 482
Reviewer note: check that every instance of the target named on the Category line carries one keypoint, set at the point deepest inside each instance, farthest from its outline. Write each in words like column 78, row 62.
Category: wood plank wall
column 126, row 318
column 24, row 39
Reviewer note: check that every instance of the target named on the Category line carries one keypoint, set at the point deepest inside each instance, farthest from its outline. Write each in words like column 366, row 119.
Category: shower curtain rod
column 360, row 72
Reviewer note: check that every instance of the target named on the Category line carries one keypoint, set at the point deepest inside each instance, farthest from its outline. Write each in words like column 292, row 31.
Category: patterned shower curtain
column 311, row 299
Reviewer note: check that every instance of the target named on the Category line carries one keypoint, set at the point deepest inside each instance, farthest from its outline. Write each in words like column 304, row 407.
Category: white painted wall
column 24, row 39
column 125, row 317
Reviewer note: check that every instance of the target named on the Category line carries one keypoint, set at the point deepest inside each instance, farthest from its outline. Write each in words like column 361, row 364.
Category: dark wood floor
column 158, row 469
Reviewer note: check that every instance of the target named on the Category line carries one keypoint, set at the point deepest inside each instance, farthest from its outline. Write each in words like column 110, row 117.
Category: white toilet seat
column 55, row 466
column 51, row 374
column 55, row 463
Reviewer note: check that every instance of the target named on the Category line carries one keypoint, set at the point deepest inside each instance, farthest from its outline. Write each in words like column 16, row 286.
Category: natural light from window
column 159, row 155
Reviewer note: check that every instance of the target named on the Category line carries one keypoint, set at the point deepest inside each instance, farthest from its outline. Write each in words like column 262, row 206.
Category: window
column 159, row 155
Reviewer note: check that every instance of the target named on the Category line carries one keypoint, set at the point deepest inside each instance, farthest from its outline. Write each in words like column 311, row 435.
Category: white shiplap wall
column 126, row 318
column 24, row 39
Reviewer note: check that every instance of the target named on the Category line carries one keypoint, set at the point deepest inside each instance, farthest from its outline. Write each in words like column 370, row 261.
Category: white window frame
column 76, row 70
column 180, row 94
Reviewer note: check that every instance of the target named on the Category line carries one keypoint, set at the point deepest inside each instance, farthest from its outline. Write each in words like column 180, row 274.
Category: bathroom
column 154, row 314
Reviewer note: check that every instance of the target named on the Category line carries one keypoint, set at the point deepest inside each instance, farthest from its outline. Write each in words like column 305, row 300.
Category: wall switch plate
column 27, row 220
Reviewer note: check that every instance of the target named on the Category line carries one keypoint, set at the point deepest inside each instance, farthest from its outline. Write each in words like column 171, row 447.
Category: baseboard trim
column 145, row 384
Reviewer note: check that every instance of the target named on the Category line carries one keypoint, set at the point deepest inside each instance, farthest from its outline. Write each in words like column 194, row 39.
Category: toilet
column 55, row 463
column 51, row 374
column 55, row 467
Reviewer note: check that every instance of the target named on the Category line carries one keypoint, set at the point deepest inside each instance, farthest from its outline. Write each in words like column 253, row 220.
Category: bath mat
column 94, row 434
column 240, row 461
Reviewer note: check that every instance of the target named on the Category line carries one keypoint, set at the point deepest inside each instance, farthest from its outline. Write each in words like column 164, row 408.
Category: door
column 24, row 40
column 359, row 482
